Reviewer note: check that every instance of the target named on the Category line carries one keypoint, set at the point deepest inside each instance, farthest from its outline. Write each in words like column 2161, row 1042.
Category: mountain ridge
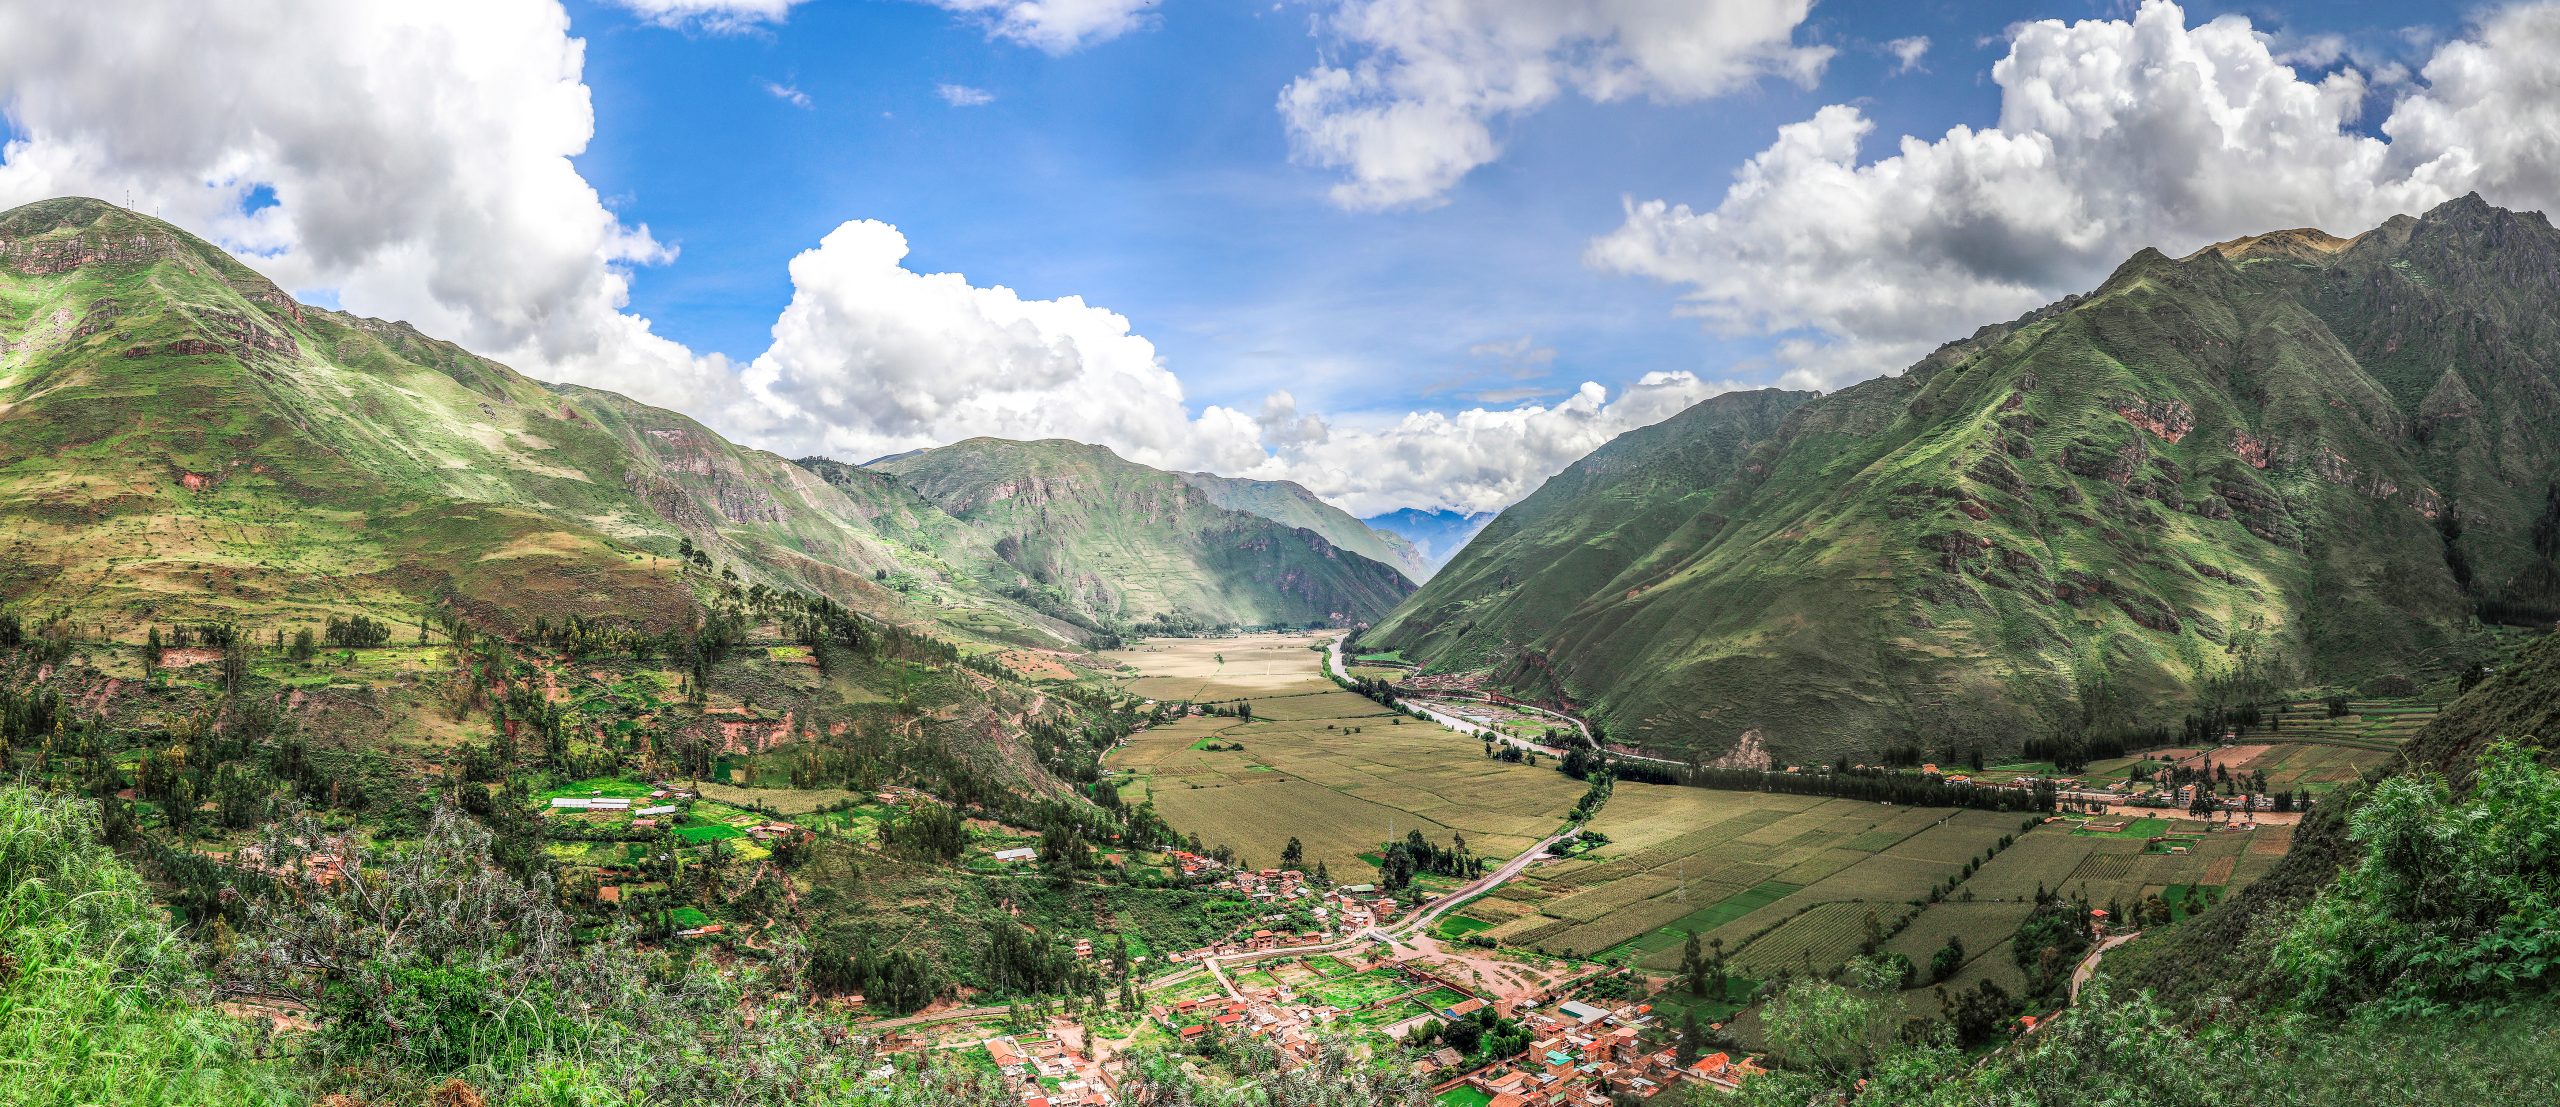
column 2291, row 465
column 1291, row 504
column 1080, row 528
column 394, row 470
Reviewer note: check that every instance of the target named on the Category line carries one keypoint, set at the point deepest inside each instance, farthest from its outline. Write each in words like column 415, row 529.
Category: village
column 1529, row 1037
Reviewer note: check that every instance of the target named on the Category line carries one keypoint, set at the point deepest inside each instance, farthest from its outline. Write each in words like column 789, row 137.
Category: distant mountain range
column 1290, row 503
column 2283, row 460
column 1435, row 536
column 1087, row 535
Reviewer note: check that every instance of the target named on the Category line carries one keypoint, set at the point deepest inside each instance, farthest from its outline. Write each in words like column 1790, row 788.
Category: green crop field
column 1359, row 989
column 1780, row 880
column 1826, row 934
column 1734, row 865
column 1454, row 926
column 2138, row 829
column 709, row 833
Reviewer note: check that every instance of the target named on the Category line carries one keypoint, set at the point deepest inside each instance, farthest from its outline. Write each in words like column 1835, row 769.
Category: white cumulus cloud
column 2112, row 135
column 963, row 96
column 1474, row 460
column 418, row 157
column 414, row 162
column 871, row 358
column 1411, row 107
column 1055, row 26
column 713, row 15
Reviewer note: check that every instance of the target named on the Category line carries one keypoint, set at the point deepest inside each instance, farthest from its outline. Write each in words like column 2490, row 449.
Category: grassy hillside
column 1081, row 529
column 1290, row 504
column 179, row 439
column 2279, row 462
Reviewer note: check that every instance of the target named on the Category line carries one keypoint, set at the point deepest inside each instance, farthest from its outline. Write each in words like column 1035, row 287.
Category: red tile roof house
column 1005, row 1056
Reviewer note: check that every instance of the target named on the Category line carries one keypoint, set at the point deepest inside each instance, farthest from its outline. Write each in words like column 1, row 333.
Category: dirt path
column 2089, row 965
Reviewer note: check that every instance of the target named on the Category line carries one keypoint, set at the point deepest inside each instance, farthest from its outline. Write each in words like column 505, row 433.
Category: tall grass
column 97, row 1004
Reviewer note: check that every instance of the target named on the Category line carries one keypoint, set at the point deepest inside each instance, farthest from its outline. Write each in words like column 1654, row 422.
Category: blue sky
column 1410, row 253
column 1151, row 175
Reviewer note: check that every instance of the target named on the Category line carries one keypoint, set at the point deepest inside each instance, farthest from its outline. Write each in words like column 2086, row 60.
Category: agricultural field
column 2318, row 767
column 1733, row 867
column 1332, row 768
column 1210, row 670
column 1359, row 990
column 2304, row 748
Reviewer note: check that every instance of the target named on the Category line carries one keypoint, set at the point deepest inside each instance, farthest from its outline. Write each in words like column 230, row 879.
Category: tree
column 1293, row 855
column 1981, row 1014
column 1693, row 965
column 2049, row 944
column 1948, row 960
column 1833, row 1032
column 235, row 663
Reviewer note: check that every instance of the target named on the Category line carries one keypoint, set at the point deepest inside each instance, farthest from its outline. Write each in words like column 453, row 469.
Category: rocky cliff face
column 2291, row 458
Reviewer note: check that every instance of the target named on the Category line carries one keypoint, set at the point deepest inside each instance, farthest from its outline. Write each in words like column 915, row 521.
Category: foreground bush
column 98, row 1002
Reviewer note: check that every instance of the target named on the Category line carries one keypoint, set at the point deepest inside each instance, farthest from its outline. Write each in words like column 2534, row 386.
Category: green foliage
column 2111, row 1051
column 2453, row 903
column 2049, row 944
column 98, row 1002
column 1947, row 960
column 928, row 830
column 1832, row 1033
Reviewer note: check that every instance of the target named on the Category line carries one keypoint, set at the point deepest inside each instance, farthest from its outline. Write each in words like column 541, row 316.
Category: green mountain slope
column 2280, row 461
column 180, row 439
column 1290, row 504
column 1080, row 528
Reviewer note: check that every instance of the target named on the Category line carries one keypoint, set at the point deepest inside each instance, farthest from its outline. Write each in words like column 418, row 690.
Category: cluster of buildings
column 661, row 802
column 1049, row 1072
column 1584, row 1056
column 662, row 808
column 1327, row 912
column 2068, row 790
column 1289, row 1026
column 1342, row 908
column 1187, row 863
column 323, row 863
